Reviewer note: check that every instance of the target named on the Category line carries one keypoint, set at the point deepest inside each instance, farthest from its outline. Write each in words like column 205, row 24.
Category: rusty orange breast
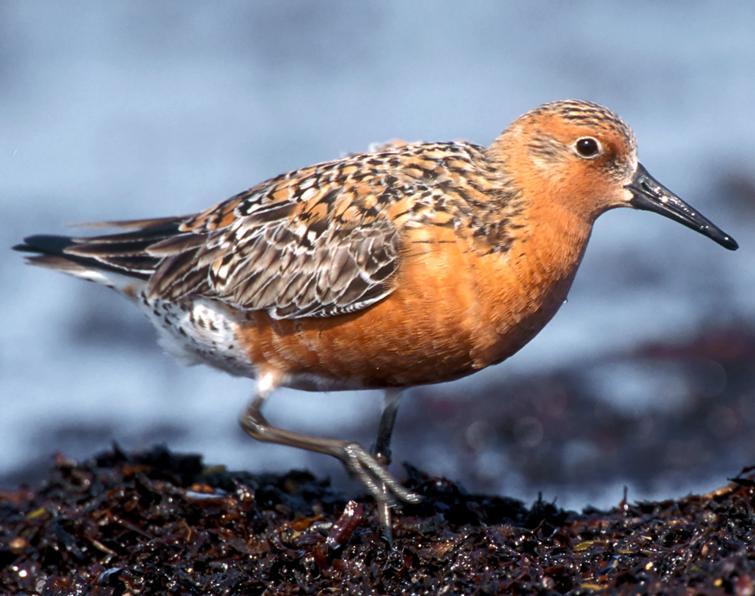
column 456, row 309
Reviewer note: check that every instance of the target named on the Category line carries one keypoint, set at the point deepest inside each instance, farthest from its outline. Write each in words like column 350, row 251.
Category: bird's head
column 584, row 156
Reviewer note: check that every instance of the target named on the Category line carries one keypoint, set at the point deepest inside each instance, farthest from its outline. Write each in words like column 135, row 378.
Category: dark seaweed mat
column 162, row 522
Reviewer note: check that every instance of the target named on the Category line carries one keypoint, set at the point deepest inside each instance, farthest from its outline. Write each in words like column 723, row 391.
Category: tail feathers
column 121, row 260
column 60, row 252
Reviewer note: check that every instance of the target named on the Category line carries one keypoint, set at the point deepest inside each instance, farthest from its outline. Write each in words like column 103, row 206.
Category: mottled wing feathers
column 320, row 241
column 311, row 244
column 306, row 266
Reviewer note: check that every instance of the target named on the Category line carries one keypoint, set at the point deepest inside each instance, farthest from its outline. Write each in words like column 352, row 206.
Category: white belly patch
column 199, row 331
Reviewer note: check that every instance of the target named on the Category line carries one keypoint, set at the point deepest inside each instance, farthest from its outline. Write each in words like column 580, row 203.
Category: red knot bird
column 413, row 263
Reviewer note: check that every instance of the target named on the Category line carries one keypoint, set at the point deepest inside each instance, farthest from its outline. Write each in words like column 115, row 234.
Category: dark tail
column 95, row 257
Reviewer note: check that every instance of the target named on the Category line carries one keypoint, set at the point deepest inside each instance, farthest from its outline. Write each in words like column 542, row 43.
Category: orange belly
column 454, row 311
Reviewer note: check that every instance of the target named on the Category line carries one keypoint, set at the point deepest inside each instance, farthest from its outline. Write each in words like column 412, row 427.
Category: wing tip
column 129, row 224
column 44, row 244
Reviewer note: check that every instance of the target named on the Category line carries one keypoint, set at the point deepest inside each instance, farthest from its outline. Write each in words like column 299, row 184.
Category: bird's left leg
column 375, row 477
column 382, row 448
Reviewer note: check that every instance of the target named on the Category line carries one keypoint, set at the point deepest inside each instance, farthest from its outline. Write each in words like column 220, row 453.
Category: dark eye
column 587, row 147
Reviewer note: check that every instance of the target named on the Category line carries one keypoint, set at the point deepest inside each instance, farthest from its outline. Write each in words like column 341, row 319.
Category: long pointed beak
column 651, row 195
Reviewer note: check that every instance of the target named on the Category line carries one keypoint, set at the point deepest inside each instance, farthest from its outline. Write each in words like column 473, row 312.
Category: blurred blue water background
column 129, row 109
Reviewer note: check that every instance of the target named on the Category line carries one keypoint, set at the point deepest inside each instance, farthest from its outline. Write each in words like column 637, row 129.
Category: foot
column 378, row 480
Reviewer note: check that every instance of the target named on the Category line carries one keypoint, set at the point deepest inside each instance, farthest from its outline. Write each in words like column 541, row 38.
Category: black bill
column 651, row 195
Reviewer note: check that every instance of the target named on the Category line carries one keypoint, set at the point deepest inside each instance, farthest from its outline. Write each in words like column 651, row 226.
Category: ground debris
column 163, row 522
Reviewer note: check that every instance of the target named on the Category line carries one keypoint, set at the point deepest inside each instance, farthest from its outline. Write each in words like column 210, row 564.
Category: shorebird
column 414, row 263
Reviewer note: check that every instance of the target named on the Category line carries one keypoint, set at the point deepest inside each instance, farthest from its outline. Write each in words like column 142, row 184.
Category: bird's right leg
column 382, row 486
